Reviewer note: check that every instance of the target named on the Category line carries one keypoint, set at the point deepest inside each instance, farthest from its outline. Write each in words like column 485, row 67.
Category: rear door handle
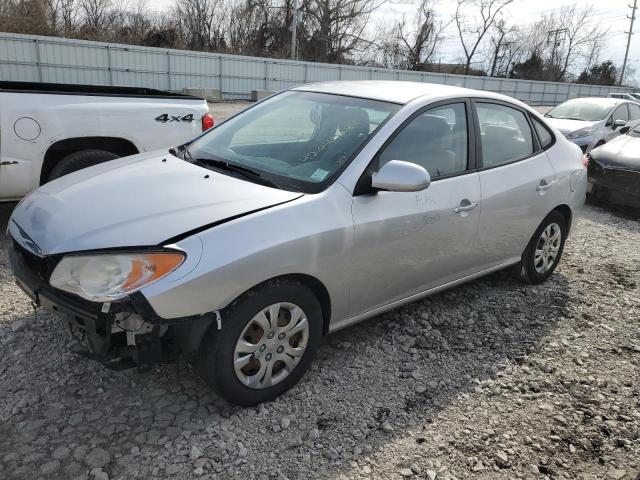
column 465, row 206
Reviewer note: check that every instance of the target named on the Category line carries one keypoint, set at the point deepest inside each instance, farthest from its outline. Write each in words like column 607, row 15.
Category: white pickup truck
column 48, row 130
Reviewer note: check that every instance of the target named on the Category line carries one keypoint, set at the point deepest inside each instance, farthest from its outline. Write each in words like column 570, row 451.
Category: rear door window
column 505, row 134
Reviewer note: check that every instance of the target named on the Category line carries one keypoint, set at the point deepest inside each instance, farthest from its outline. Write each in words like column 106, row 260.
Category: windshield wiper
column 235, row 168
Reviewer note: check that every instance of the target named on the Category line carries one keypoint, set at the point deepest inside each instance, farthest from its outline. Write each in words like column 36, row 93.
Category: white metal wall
column 60, row 60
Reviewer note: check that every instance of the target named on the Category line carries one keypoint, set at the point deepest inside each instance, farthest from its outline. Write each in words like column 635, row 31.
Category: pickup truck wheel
column 266, row 343
column 79, row 160
column 542, row 255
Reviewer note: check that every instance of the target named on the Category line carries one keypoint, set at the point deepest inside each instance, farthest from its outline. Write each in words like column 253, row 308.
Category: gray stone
column 386, row 427
column 98, row 474
column 195, row 453
column 98, row 457
column 50, row 467
column 61, row 453
column 616, row 474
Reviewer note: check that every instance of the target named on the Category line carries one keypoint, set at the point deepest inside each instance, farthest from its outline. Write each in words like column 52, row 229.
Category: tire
column 248, row 385
column 79, row 160
column 531, row 268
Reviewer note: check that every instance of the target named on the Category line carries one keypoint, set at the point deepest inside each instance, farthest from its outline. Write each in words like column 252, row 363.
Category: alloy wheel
column 547, row 248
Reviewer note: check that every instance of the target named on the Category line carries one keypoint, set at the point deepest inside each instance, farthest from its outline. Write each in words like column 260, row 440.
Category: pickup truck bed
column 48, row 130
column 90, row 90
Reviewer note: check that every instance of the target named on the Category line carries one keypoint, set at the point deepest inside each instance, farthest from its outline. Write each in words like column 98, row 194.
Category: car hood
column 567, row 126
column 623, row 152
column 136, row 201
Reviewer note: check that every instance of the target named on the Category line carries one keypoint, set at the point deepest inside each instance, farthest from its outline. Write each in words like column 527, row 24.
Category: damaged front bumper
column 615, row 185
column 117, row 333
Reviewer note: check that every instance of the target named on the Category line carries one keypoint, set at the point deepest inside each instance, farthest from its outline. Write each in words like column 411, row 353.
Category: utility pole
column 556, row 43
column 629, row 33
column 294, row 31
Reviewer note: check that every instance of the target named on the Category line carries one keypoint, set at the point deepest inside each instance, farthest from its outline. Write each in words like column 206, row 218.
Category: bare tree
column 582, row 36
column 67, row 15
column 336, row 28
column 26, row 16
column 472, row 28
column 410, row 44
column 202, row 23
column 95, row 13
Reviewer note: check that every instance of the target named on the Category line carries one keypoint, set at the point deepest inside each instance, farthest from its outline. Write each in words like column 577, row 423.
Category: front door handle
column 543, row 185
column 465, row 206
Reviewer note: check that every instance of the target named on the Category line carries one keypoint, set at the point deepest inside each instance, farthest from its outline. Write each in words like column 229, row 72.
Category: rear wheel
column 79, row 160
column 266, row 343
column 544, row 250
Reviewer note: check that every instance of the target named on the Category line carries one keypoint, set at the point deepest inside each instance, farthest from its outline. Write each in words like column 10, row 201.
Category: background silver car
column 591, row 122
column 311, row 211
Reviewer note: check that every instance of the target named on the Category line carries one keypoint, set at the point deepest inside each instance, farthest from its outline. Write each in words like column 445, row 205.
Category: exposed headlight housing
column 111, row 276
column 583, row 132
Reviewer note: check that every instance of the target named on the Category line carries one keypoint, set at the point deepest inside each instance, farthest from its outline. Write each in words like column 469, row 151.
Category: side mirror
column 399, row 176
column 625, row 129
column 619, row 123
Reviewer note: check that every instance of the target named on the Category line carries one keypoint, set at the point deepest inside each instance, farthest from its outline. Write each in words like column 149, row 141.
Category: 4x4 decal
column 164, row 118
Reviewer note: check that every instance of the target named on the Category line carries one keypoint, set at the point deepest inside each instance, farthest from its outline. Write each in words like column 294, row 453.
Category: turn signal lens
column 585, row 160
column 107, row 277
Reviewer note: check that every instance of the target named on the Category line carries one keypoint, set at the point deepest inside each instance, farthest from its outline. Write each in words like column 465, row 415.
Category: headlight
column 110, row 276
column 584, row 132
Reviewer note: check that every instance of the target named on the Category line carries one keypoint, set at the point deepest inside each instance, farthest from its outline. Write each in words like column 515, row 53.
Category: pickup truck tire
column 79, row 160
column 240, row 344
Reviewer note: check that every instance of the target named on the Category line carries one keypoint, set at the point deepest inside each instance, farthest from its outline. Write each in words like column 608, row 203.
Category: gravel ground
column 490, row 380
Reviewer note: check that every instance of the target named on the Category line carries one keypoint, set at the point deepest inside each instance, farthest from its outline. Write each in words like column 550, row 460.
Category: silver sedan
column 591, row 122
column 311, row 211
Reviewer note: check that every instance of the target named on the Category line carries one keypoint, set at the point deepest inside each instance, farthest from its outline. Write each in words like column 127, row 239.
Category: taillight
column 207, row 121
column 585, row 160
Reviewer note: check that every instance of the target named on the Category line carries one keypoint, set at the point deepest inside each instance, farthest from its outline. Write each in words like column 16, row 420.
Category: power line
column 630, row 32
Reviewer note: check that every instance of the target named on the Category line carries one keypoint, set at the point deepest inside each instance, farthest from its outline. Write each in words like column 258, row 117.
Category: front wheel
column 266, row 343
column 544, row 250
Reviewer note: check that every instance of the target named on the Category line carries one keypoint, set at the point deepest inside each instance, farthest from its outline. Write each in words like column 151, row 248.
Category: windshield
column 586, row 110
column 296, row 140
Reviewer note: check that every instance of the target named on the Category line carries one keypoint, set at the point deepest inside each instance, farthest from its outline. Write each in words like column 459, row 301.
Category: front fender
column 311, row 236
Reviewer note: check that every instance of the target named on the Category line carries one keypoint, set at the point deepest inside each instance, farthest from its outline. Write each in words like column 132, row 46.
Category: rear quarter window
column 544, row 135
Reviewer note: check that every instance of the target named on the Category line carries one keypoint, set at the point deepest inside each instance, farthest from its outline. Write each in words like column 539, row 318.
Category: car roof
column 396, row 91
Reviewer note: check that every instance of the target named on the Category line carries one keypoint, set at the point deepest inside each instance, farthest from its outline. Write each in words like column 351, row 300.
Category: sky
column 611, row 14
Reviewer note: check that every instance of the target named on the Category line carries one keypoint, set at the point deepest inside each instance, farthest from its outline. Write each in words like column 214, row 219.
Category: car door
column 621, row 112
column 408, row 242
column 516, row 179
